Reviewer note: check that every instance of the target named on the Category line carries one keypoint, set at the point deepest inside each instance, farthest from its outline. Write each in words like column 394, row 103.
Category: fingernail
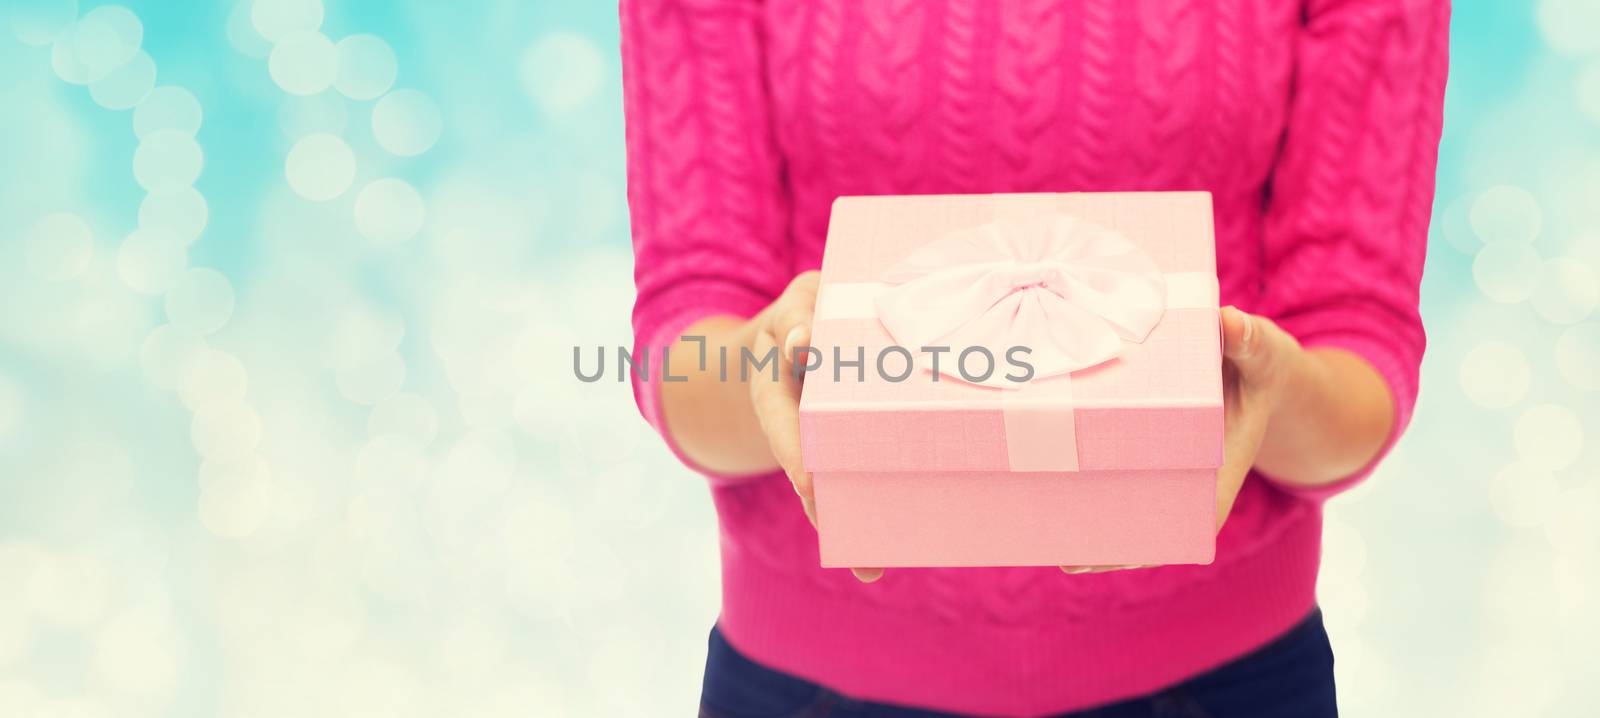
column 1075, row 570
column 790, row 341
column 1249, row 331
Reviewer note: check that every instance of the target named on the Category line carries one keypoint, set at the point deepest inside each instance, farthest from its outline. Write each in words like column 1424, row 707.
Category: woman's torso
column 911, row 97
column 1052, row 96
column 977, row 96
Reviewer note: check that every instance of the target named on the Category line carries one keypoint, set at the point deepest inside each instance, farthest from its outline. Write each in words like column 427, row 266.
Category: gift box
column 1015, row 380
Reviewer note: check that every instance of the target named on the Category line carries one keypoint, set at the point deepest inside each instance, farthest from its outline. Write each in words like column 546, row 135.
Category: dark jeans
column 1291, row 676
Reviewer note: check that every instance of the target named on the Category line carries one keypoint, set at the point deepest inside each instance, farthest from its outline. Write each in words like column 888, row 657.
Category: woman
column 1314, row 124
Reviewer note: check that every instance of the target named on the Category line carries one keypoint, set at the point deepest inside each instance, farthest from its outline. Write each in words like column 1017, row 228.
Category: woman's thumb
column 1242, row 338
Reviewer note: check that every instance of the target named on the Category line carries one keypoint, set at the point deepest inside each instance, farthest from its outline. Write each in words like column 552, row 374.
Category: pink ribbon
column 1071, row 291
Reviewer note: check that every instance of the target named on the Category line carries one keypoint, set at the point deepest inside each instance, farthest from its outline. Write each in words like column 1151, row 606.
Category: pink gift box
column 1110, row 464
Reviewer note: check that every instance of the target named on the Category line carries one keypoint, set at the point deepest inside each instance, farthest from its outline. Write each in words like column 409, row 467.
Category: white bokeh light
column 212, row 378
column 479, row 228
column 529, row 692
column 1570, row 527
column 538, row 410
column 474, row 475
column 374, row 687
column 1585, row 246
column 81, row 706
column 167, row 160
column 1589, row 91
column 236, row 508
column 471, row 645
column 126, row 85
column 18, row 562
column 1568, row 293
column 1569, row 26
column 166, row 354
column 16, row 638
column 201, row 301
column 388, row 211
column 59, row 246
column 181, row 212
column 225, row 432
column 388, row 460
column 1455, row 224
column 1523, row 495
column 167, row 107
column 105, row 38
column 320, row 167
column 242, row 33
column 220, row 473
column 110, row 321
column 381, row 523
column 367, row 67
column 1507, row 272
column 562, row 71
column 150, row 260
column 543, row 536
column 64, row 60
column 1506, row 213
column 276, row 19
column 39, row 22
column 1549, row 436
column 406, row 122
column 362, row 334
column 68, row 589
column 1578, row 355
column 408, row 418
column 374, row 381
column 136, row 654
column 303, row 63
column 1495, row 375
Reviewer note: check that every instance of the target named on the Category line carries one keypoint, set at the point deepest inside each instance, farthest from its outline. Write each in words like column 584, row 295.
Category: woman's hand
column 1258, row 360
column 786, row 325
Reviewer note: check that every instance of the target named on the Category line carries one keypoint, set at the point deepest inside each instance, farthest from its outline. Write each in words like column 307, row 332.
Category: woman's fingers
column 867, row 575
column 777, row 407
column 1075, row 570
column 1254, row 344
column 793, row 327
column 777, row 403
column 1238, row 333
column 1256, row 351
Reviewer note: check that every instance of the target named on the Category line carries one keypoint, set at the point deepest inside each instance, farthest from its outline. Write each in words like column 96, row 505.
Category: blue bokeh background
column 312, row 446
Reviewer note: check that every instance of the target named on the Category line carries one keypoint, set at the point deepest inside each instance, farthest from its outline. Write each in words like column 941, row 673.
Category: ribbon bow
column 1071, row 291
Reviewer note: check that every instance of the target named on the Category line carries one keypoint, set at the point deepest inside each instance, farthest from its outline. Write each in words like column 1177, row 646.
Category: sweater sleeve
column 705, row 193
column 1350, row 197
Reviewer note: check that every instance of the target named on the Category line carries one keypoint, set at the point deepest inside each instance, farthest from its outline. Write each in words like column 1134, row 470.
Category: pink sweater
column 1314, row 124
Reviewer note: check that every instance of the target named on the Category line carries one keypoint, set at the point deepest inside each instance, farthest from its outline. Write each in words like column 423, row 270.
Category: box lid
column 1156, row 405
